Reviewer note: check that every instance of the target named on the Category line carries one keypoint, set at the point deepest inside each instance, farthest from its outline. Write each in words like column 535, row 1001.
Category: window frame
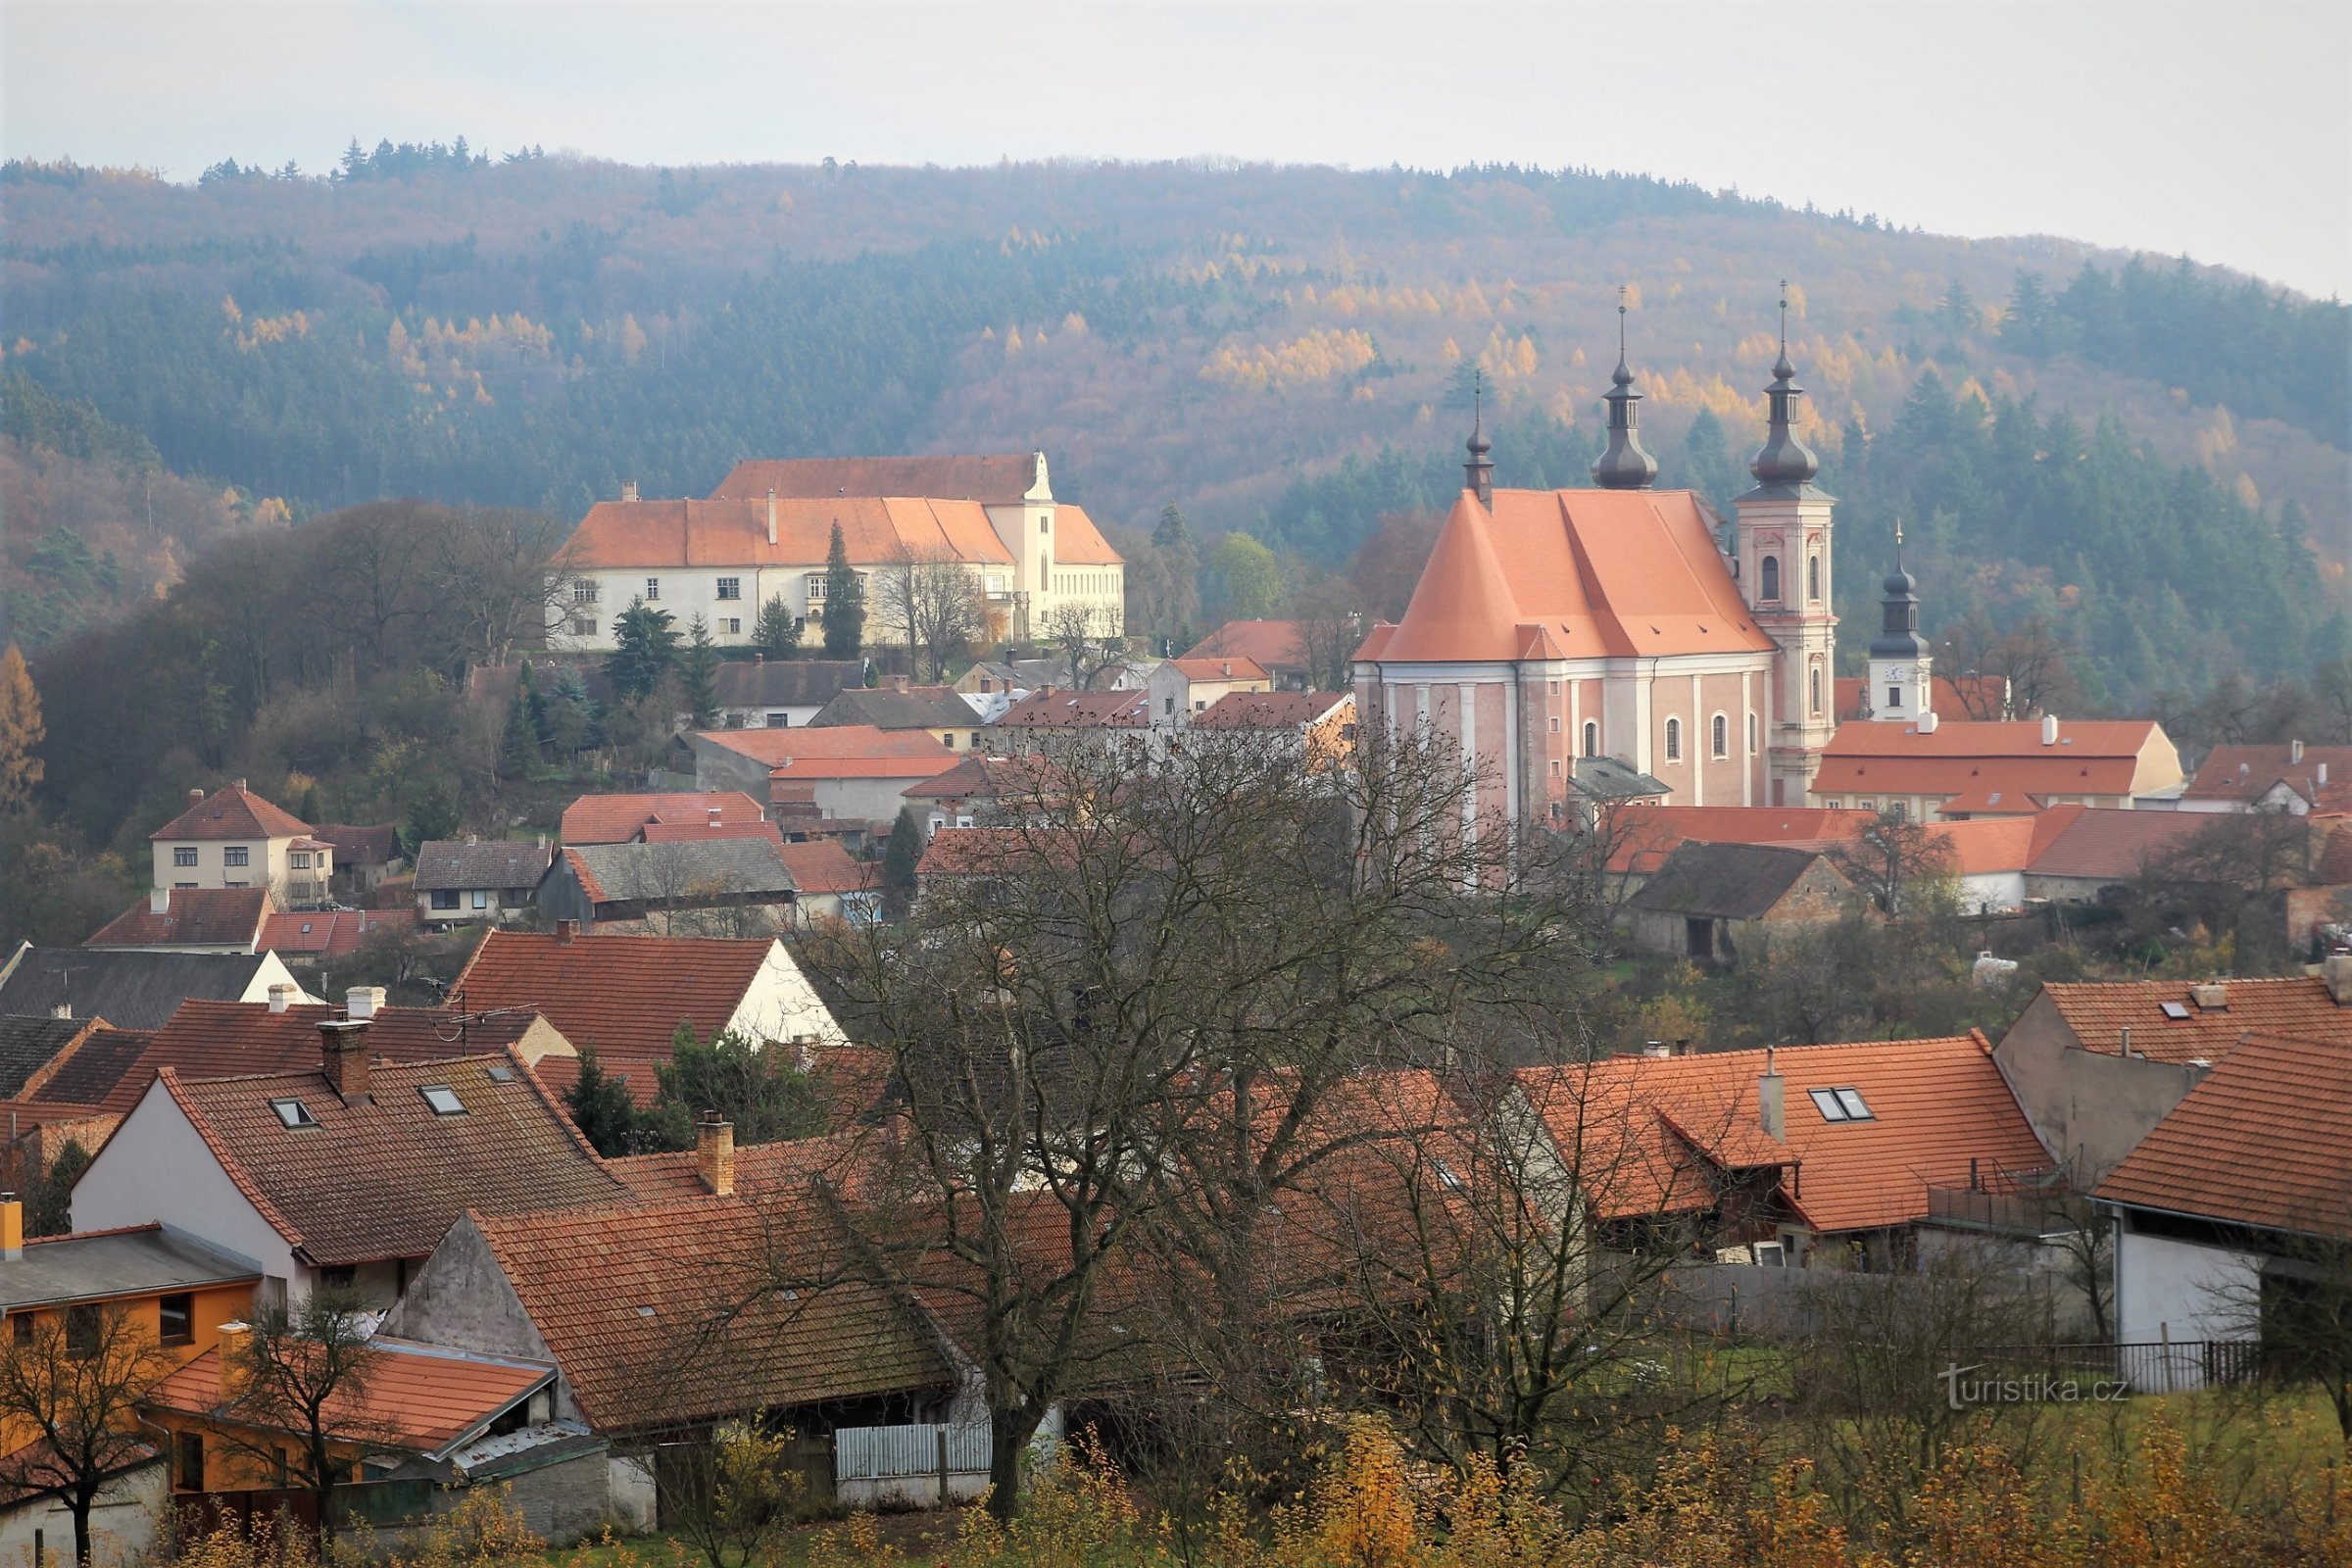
column 292, row 1114
column 179, row 1307
column 436, row 897
column 652, row 590
column 1719, row 737
column 1768, row 580
column 1592, row 737
column 183, row 854
column 730, row 589
column 1674, row 740
column 454, row 1105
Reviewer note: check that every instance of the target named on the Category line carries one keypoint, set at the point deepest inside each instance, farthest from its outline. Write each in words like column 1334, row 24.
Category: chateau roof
column 1000, row 479
column 874, row 531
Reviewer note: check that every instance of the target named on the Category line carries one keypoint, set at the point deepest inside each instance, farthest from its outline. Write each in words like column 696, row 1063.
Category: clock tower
column 1900, row 661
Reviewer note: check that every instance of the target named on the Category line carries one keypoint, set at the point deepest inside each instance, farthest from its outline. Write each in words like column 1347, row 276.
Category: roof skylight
column 1841, row 1105
column 293, row 1112
column 2174, row 1009
column 443, row 1099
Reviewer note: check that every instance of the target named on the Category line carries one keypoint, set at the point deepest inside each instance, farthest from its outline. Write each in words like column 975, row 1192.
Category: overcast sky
column 2221, row 129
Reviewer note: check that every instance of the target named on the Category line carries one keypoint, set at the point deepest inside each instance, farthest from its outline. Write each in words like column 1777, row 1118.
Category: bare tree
column 934, row 603
column 1888, row 860
column 1082, row 639
column 2297, row 1304
column 305, row 1370
column 1329, row 631
column 69, row 1387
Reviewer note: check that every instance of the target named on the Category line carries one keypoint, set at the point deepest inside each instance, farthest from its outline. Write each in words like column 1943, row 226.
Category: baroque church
column 1553, row 627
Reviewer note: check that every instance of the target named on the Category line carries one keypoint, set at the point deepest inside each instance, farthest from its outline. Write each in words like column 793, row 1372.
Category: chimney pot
column 715, row 1154
column 898, row 683
column 567, row 931
column 61, row 1010
column 345, row 1044
column 281, row 996
column 159, row 901
column 2049, row 729
column 240, row 784
column 362, row 1001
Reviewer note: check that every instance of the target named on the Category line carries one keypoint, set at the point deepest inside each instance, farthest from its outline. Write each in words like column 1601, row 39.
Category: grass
column 910, row 1533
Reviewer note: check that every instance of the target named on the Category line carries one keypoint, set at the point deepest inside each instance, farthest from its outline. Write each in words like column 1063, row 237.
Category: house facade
column 463, row 882
column 233, row 838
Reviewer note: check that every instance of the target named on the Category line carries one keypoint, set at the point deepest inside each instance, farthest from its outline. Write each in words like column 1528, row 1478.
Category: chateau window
column 1674, row 740
column 184, row 854
column 581, row 627
column 730, row 587
column 236, row 854
column 733, row 626
column 652, row 589
column 1555, row 724
column 1591, row 738
column 1768, row 580
column 1813, row 579
column 816, row 586
column 1719, row 736
column 583, row 590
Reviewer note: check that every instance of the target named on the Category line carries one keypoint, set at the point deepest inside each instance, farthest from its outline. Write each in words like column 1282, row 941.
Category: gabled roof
column 1592, row 573
column 29, row 1046
column 1051, row 708
column 679, row 869
column 876, row 532
column 785, row 682
column 207, row 1040
column 95, row 1074
column 446, row 863
column 702, row 1307
column 191, row 917
column 2264, row 1140
column 995, row 479
column 1643, row 836
column 1728, row 881
column 2097, row 1014
column 979, row 777
column 868, row 751
column 916, row 708
column 2092, row 756
column 1220, row 667
column 372, row 844
column 131, row 989
column 707, row 832
column 386, row 1176
column 778, row 1167
column 425, row 1398
column 1271, row 709
column 232, row 812
column 107, row 1265
column 1605, row 778
column 333, row 933
column 822, row 865
column 2246, row 773
column 618, row 818
column 2111, row 844
column 1272, row 644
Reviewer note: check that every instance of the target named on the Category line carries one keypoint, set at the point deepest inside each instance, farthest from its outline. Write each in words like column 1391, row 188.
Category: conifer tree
column 700, row 672
column 20, row 731
column 646, row 646
column 777, row 633
column 601, row 1108
column 845, row 602
column 901, row 852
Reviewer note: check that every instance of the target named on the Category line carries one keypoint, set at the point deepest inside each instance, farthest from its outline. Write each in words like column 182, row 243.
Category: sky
column 2222, row 130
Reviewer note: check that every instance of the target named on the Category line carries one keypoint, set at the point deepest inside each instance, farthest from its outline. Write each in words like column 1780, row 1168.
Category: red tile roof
column 232, row 812
column 979, row 777
column 995, row 479
column 868, row 752
column 1270, row 709
column 2111, row 845
column 206, row 1040
column 618, row 818
column 386, row 1176
column 734, row 533
column 702, row 1307
column 421, row 1397
column 1592, row 573
column 1052, row 709
column 193, row 917
column 333, row 933
column 690, row 832
column 822, row 865
column 1643, row 836
column 2265, row 1140
column 1273, row 644
column 2097, row 1014
column 2247, row 773
column 1219, row 668
column 778, row 1167
column 2092, row 757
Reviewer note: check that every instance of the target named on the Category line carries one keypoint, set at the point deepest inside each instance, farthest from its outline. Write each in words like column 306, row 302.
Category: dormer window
column 292, row 1113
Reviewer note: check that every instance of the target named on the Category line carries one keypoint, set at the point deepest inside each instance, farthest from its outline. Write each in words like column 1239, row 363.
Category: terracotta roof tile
column 1052, row 709
column 422, row 1397
column 30, row 1048
column 1220, row 667
column 778, row 1167
column 801, row 751
column 208, row 1040
column 93, row 1075
column 1642, row 836
column 2114, row 846
column 2092, row 757
column 2097, row 1014
column 1270, row 709
column 734, row 533
column 822, row 865
column 618, row 818
column 2265, row 1140
column 231, row 813
column 333, row 933
column 1077, row 542
column 191, row 917
column 994, row 479
column 370, row 844
column 1968, row 697
column 2248, row 772
column 1272, row 644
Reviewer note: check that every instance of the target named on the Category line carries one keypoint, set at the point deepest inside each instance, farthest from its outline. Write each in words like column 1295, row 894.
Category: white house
column 232, row 838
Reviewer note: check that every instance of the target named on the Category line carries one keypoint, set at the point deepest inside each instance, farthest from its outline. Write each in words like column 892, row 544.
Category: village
column 940, row 1062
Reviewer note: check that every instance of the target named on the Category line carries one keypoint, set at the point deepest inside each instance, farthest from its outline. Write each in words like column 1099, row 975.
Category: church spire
column 1623, row 466
column 1478, row 475
column 1785, row 460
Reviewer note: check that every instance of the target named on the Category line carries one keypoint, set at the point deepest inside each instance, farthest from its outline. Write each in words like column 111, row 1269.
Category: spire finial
column 1785, row 460
column 1898, row 544
column 1479, row 472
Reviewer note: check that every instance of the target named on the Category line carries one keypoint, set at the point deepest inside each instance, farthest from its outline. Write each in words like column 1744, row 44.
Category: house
column 1934, row 768
column 169, row 1291
column 2097, row 1066
column 697, row 882
column 766, row 533
column 1989, row 858
column 2235, row 1212
column 852, row 772
column 2090, row 850
column 232, row 838
column 473, row 881
column 2292, row 778
column 619, row 818
column 763, row 694
column 41, row 1080
column 134, row 989
column 422, row 1423
column 1724, row 902
column 307, row 939
column 828, row 885
column 1276, row 647
column 1640, row 835
column 189, row 920
column 940, row 712
column 1181, row 688
column 626, row 997
column 1598, row 785
column 1049, row 718
column 364, row 856
column 994, row 681
column 348, row 1174
column 1323, row 723
column 976, row 789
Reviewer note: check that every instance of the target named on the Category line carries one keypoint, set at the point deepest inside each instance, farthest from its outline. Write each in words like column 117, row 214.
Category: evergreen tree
column 757, row 1087
column 51, row 1212
column 777, row 631
column 2025, row 319
column 646, row 646
column 310, row 811
column 1176, row 570
column 1707, row 463
column 901, row 852
column 534, row 704
column 845, row 602
column 518, row 749
column 700, row 675
column 601, row 1108
column 432, row 816
column 21, row 732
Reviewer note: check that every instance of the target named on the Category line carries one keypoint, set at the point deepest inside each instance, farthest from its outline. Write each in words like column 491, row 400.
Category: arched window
column 1813, row 579
column 1719, row 736
column 1814, row 690
column 1591, row 739
column 1674, row 740
column 1770, row 579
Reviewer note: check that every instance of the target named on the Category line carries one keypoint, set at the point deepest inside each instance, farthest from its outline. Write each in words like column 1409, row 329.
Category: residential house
column 1323, row 723
column 477, row 881
column 1049, row 718
column 2235, row 1212
column 853, row 773
column 175, row 1292
column 137, row 989
column 1181, row 688
column 311, row 938
column 2097, row 1066
column 233, row 838
column 1276, row 647
column 2091, row 850
column 189, row 920
column 975, row 789
column 738, row 885
column 626, row 997
column 364, row 856
column 994, row 682
column 1935, row 769
column 828, row 885
column 35, row 1055
column 348, row 1174
column 1724, row 902
column 766, row 531
column 940, row 712
column 1640, row 835
column 2293, row 777
column 619, row 818
column 760, row 693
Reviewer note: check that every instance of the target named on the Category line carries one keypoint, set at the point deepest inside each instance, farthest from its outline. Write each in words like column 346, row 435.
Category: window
column 816, row 586
column 481, row 898
column 1813, row 692
column 732, row 627
column 1813, row 579
column 300, row 859
column 236, row 854
column 502, row 1075
column 293, row 1112
column 445, row 897
column 338, row 1274
column 23, row 1326
column 779, row 720
column 947, row 738
column 730, row 587
column 583, row 628
column 176, row 1318
column 652, row 589
column 583, row 590
column 84, row 1333
column 1591, row 738
column 1674, row 740
column 1555, row 724
column 443, row 1099
column 1894, row 697
column 1769, row 578
column 189, row 1455
column 1719, row 736
column 1751, row 734
column 1841, row 1105
column 1044, row 523
column 183, row 854
column 2174, row 1009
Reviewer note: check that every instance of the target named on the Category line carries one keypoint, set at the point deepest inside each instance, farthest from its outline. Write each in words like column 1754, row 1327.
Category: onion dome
column 1899, row 627
column 1623, row 466
column 1783, row 459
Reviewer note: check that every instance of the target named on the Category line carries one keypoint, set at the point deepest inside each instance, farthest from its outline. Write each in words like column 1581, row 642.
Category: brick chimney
column 1771, row 1103
column 2210, row 998
column 362, row 1002
column 344, row 1042
column 715, row 1154
column 237, row 1372
column 11, row 1228
column 898, row 683
column 566, row 932
column 281, row 996
column 195, row 797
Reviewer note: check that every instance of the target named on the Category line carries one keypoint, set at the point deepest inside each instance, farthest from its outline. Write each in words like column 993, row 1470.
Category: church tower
column 1900, row 661
column 1785, row 573
column 1624, row 464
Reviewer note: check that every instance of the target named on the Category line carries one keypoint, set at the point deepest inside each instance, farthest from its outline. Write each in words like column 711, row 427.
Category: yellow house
column 232, row 838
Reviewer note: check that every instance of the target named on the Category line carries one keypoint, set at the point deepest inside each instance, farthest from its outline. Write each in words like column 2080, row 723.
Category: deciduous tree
column 21, row 732
column 69, row 1385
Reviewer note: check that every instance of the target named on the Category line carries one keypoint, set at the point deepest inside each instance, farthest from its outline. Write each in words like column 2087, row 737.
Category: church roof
column 1573, row 575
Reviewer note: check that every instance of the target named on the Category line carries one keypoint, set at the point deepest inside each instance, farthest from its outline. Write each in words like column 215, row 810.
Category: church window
column 1894, row 697
column 1674, row 740
column 1591, row 739
column 1719, row 736
column 1751, row 734
column 1555, row 724
column 1770, row 579
column 1813, row 579
column 1814, row 693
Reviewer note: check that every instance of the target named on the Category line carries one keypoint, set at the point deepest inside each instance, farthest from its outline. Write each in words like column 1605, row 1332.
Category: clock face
column 1898, row 672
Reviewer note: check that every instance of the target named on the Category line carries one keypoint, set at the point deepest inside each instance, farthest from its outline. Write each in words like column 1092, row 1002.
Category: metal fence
column 2174, row 1366
column 896, row 1454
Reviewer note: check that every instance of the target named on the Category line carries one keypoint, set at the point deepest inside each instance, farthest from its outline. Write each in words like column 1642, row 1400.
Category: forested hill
column 1280, row 351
